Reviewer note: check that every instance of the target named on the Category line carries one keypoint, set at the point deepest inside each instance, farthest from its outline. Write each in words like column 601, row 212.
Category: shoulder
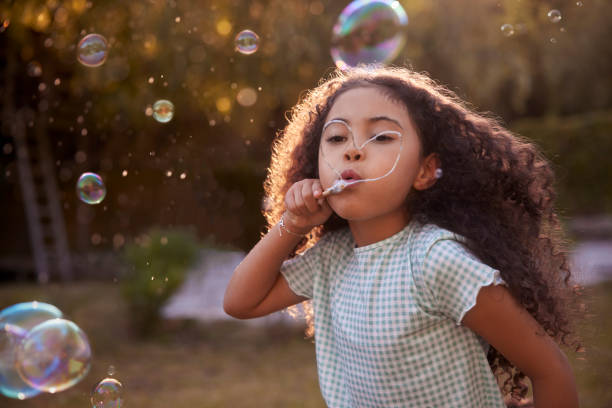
column 425, row 236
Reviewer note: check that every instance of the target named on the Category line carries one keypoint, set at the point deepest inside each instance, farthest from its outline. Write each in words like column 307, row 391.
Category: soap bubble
column 15, row 322
column 54, row 356
column 163, row 111
column 507, row 30
column 246, row 42
column 107, row 394
column 91, row 188
column 92, row 50
column 554, row 16
column 368, row 32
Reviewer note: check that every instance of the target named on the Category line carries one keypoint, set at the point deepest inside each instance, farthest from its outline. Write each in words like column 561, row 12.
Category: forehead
column 360, row 104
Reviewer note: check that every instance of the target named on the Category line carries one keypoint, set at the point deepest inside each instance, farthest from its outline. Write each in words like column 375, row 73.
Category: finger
column 309, row 200
column 299, row 202
column 289, row 201
column 317, row 189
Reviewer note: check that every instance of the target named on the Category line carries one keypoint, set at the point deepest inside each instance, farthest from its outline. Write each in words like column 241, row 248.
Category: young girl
column 425, row 236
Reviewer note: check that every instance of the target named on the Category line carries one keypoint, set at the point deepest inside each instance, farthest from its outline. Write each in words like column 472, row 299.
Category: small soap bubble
column 107, row 394
column 579, row 4
column 111, row 370
column 554, row 16
column 54, row 356
column 151, row 80
column 92, row 50
column 368, row 31
column 246, row 42
column 507, row 30
column 163, row 111
column 183, row 176
column 90, row 188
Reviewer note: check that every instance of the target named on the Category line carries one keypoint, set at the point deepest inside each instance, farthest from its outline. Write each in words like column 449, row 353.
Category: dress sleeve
column 453, row 277
column 300, row 271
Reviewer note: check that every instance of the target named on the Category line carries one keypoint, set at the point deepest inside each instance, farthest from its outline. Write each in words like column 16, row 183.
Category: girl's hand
column 306, row 207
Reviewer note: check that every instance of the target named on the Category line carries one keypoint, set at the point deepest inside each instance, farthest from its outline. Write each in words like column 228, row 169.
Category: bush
column 157, row 263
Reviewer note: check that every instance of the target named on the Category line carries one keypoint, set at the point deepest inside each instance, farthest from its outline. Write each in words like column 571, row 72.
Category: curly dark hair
column 498, row 191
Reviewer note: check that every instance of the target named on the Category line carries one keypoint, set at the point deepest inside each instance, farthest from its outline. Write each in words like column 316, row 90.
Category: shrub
column 157, row 263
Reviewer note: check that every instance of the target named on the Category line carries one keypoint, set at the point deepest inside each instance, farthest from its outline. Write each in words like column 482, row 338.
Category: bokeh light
column 108, row 393
column 368, row 32
column 246, row 97
column 91, row 188
column 54, row 356
column 92, row 50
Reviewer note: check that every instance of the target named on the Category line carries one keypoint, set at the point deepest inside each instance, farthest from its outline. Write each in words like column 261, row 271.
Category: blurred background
column 143, row 271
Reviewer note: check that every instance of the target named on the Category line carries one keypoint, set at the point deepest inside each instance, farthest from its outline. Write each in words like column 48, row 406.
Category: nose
column 352, row 154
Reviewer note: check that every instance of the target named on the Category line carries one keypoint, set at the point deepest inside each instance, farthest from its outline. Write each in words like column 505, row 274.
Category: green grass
column 186, row 364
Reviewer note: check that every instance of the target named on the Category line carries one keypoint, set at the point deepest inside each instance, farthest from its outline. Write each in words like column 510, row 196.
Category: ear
column 426, row 176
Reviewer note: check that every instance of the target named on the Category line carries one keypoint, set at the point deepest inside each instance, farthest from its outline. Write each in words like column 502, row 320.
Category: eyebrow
column 373, row 119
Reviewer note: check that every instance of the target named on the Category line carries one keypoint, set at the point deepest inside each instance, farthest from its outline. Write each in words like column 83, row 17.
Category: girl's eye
column 336, row 139
column 383, row 137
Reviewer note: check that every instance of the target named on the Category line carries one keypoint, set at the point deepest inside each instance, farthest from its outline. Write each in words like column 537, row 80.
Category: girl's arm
column 257, row 288
column 508, row 327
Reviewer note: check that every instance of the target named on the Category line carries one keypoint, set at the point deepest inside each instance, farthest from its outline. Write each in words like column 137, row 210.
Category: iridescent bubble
column 54, row 356
column 368, row 32
column 163, row 110
column 15, row 322
column 246, row 42
column 554, row 16
column 507, row 30
column 91, row 188
column 107, row 394
column 92, row 50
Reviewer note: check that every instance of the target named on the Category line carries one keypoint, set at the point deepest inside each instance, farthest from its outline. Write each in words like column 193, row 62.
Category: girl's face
column 368, row 112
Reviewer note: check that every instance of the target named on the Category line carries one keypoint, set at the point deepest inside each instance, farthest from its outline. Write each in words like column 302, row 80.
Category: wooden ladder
column 39, row 190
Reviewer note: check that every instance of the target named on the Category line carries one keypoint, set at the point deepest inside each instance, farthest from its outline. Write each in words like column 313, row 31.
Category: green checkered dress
column 387, row 319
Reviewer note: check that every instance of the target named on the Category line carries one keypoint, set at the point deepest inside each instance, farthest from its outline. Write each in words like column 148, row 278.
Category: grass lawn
column 230, row 365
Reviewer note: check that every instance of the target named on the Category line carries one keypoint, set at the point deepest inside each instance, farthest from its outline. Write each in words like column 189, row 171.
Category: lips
column 350, row 175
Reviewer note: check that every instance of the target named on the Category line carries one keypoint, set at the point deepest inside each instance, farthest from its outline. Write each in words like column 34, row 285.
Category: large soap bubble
column 91, row 188
column 92, row 50
column 368, row 32
column 15, row 322
column 54, row 356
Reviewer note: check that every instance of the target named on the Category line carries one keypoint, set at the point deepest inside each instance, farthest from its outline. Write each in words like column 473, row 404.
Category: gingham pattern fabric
column 387, row 319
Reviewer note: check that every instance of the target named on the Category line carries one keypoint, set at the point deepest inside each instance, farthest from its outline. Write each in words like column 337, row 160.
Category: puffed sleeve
column 300, row 271
column 452, row 277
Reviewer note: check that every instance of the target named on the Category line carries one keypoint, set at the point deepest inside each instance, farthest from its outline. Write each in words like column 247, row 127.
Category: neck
column 366, row 232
